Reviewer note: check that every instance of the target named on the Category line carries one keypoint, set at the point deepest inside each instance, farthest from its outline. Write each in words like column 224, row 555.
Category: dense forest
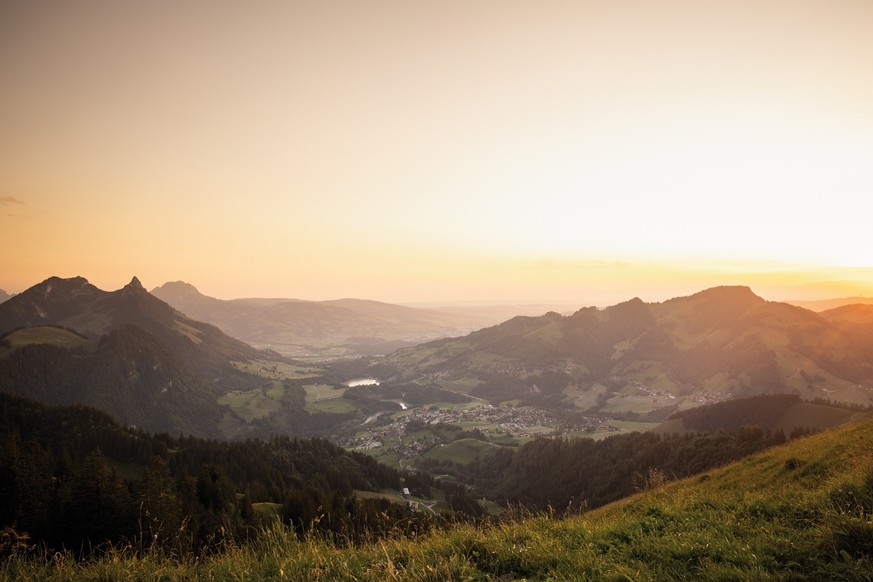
column 571, row 474
column 72, row 477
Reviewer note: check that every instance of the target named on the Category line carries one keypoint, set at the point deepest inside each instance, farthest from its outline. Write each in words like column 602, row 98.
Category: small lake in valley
column 363, row 382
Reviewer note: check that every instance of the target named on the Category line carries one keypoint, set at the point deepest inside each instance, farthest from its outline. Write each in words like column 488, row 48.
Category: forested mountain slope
column 76, row 304
column 130, row 354
column 72, row 477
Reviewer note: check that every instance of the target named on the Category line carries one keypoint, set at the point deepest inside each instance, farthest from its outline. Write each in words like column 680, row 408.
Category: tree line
column 571, row 474
column 71, row 477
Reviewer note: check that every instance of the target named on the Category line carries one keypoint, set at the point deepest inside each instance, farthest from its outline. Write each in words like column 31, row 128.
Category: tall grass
column 803, row 511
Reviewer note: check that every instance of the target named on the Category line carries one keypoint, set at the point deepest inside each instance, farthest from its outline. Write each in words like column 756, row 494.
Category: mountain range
column 4, row 296
column 336, row 328
column 131, row 354
column 126, row 352
column 644, row 357
column 312, row 328
column 825, row 304
column 80, row 306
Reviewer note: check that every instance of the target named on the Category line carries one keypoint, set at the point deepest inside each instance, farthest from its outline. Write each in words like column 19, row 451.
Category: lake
column 363, row 382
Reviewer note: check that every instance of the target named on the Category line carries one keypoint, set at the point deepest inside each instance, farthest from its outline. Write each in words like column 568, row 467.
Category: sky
column 419, row 151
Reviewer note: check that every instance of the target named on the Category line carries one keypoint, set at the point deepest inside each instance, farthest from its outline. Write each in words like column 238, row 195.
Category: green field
column 275, row 370
column 632, row 425
column 275, row 390
column 333, row 406
column 389, row 494
column 327, row 398
column 316, row 392
column 623, row 425
column 463, row 451
column 55, row 336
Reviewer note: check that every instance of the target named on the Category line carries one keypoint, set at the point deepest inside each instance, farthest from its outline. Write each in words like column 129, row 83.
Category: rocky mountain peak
column 134, row 284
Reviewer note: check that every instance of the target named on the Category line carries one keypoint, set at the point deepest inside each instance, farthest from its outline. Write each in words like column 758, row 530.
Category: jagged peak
column 134, row 287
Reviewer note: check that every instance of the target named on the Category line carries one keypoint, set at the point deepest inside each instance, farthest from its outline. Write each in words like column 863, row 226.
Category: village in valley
column 411, row 433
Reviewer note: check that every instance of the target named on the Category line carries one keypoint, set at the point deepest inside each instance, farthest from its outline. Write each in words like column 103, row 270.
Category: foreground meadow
column 803, row 511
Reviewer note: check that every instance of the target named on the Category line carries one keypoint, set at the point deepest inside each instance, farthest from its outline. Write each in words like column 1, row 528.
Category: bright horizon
column 550, row 152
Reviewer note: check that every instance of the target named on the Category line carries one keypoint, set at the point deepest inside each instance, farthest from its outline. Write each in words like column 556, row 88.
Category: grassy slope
column 463, row 451
column 55, row 336
column 801, row 511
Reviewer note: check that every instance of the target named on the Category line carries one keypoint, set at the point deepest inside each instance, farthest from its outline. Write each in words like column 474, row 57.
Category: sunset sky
column 413, row 151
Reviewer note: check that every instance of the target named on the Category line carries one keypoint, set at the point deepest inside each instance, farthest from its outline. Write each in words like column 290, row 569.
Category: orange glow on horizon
column 475, row 151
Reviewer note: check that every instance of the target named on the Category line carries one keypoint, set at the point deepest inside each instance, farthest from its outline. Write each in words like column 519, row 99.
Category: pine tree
column 160, row 510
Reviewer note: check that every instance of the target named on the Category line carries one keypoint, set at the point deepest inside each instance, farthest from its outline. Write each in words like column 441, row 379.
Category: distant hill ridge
column 636, row 356
column 825, row 304
column 299, row 327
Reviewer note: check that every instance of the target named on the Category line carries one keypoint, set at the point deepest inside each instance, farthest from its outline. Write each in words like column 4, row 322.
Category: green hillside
column 649, row 360
column 801, row 511
column 463, row 451
column 55, row 336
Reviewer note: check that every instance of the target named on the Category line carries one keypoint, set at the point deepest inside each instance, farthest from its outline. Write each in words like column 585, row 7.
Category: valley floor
column 803, row 511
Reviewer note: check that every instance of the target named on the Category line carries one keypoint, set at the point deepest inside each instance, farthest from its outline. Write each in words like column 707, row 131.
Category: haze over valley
column 150, row 365
column 337, row 328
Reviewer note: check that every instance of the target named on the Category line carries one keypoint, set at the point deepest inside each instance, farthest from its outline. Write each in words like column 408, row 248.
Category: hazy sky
column 423, row 150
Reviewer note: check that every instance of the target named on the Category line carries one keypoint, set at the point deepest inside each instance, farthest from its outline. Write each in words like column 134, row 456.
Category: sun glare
column 301, row 144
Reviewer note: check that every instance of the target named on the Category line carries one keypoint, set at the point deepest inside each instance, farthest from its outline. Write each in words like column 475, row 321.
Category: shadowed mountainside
column 635, row 356
column 128, row 353
column 76, row 304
